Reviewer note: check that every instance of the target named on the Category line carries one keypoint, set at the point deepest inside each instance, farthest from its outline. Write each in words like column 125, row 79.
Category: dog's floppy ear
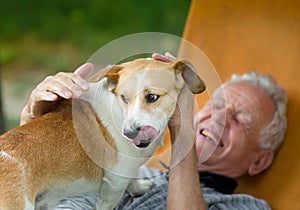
column 191, row 78
column 112, row 75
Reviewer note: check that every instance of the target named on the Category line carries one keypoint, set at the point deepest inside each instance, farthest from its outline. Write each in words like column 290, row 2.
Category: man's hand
column 181, row 123
column 168, row 57
column 54, row 88
column 184, row 112
column 181, row 126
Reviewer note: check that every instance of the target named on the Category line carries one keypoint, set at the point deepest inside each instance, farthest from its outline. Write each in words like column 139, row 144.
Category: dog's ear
column 105, row 72
column 191, row 78
column 112, row 76
column 111, row 73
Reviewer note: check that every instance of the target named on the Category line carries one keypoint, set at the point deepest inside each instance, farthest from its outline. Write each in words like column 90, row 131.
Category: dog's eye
column 151, row 98
column 124, row 99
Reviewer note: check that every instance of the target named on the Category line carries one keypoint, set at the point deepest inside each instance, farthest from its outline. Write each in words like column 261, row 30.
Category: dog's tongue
column 145, row 135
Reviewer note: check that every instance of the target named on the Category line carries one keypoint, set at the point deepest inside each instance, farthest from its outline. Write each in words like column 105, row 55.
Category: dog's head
column 147, row 91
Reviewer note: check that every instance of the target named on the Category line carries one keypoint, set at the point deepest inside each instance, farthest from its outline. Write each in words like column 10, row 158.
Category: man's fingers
column 46, row 96
column 159, row 57
column 84, row 70
column 78, row 80
column 61, row 89
column 69, row 85
column 81, row 73
column 65, row 85
column 168, row 57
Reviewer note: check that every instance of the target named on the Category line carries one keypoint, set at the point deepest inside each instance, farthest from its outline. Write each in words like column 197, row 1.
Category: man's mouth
column 211, row 137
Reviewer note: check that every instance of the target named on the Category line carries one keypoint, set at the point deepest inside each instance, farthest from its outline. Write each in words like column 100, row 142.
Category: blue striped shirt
column 214, row 189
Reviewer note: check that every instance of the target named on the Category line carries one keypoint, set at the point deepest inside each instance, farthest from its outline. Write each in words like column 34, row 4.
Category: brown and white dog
column 97, row 143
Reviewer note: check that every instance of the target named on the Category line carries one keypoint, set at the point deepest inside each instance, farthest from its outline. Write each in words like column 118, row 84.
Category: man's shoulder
column 217, row 200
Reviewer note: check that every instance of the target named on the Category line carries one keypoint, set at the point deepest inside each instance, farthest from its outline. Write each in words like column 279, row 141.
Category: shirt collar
column 220, row 183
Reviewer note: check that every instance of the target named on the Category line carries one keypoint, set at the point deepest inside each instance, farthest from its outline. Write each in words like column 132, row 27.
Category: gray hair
column 272, row 136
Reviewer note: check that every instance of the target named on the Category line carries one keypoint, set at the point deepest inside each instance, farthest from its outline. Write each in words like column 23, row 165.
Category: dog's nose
column 131, row 133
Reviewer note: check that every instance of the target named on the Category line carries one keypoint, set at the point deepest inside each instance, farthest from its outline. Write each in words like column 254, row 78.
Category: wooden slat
column 238, row 36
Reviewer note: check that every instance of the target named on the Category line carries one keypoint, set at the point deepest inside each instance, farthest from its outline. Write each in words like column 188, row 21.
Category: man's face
column 228, row 128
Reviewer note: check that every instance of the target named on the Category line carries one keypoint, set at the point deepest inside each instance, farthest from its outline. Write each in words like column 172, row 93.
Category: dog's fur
column 97, row 143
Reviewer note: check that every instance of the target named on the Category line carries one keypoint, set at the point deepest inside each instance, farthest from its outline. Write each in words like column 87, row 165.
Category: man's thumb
column 84, row 70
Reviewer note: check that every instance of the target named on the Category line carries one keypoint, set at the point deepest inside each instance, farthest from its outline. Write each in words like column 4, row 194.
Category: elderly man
column 236, row 133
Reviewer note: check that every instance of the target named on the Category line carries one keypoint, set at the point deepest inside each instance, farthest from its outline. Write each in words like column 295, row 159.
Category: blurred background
column 39, row 38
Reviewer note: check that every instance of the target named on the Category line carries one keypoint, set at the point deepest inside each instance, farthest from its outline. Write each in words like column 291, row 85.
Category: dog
column 95, row 143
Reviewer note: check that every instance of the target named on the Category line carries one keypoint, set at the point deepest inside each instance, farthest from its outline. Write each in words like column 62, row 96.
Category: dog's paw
column 139, row 186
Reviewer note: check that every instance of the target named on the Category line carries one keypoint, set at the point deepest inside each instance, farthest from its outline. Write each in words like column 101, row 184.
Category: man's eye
column 217, row 103
column 151, row 98
column 242, row 118
column 124, row 99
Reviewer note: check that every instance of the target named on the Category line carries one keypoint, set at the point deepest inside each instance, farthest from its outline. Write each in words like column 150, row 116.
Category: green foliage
column 32, row 31
column 76, row 20
column 40, row 37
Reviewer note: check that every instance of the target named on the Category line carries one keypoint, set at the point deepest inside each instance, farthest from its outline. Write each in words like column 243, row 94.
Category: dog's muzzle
column 141, row 137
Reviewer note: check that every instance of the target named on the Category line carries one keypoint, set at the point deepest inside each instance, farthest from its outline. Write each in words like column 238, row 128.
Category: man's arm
column 184, row 190
column 62, row 86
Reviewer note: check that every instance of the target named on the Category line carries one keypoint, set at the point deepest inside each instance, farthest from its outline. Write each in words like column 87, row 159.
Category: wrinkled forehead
column 241, row 89
column 248, row 96
column 148, row 78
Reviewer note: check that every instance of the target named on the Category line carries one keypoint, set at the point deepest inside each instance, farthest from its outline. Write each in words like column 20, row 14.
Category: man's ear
column 262, row 162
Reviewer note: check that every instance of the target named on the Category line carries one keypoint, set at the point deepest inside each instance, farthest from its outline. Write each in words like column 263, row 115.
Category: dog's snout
column 132, row 130
column 131, row 133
